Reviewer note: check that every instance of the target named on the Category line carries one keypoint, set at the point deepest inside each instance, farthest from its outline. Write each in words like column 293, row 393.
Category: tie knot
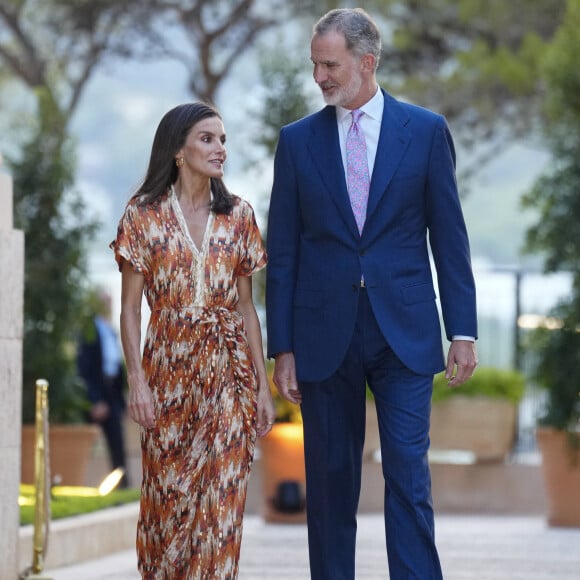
column 356, row 115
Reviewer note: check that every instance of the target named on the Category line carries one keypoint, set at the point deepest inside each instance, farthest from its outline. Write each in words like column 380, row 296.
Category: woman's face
column 204, row 151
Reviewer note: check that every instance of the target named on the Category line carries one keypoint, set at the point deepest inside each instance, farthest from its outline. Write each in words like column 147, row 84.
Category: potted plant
column 71, row 437
column 58, row 229
column 479, row 416
column 556, row 371
column 554, row 195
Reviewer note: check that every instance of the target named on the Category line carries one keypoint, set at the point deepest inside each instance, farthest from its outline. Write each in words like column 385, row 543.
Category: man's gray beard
column 343, row 96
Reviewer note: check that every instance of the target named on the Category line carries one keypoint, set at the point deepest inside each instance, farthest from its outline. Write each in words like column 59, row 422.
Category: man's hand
column 100, row 412
column 285, row 377
column 462, row 359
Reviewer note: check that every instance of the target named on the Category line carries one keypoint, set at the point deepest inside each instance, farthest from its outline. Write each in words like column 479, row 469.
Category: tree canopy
column 476, row 61
column 557, row 193
column 52, row 49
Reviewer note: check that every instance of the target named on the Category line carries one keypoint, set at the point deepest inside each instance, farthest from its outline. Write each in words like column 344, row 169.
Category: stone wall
column 11, row 305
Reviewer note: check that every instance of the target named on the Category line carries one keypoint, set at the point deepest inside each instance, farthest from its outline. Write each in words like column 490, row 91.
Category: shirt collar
column 373, row 108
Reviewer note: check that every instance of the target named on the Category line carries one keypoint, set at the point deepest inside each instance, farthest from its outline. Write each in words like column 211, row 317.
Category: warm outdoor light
column 288, row 432
column 283, row 474
column 531, row 321
column 106, row 486
column 111, row 481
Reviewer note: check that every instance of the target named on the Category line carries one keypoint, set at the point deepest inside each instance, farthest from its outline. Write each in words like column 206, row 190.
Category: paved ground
column 471, row 548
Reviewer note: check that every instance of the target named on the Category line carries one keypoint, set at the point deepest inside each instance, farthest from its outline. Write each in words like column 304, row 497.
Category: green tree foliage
column 52, row 48
column 557, row 193
column 557, row 197
column 208, row 36
column 56, row 231
column 286, row 97
column 475, row 61
column 56, row 45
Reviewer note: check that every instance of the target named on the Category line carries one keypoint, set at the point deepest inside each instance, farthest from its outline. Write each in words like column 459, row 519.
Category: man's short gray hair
column 358, row 28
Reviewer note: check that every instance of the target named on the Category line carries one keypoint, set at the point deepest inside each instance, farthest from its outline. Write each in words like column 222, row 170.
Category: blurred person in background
column 100, row 365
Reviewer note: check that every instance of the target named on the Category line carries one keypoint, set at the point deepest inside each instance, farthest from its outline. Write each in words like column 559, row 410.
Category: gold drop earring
column 179, row 162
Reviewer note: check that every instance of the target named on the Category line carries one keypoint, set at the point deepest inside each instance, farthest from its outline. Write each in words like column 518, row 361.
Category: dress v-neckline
column 183, row 225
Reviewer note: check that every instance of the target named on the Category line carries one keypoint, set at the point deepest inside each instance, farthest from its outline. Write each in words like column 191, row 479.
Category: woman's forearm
column 131, row 298
column 131, row 340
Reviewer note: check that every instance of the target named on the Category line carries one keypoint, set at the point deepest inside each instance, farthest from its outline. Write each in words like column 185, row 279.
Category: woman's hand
column 266, row 410
column 140, row 405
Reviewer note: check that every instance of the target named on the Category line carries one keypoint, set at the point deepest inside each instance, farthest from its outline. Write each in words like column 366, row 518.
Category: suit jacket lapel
column 324, row 149
column 394, row 139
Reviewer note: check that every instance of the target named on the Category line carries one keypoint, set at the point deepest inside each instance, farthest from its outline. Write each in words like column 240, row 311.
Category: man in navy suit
column 351, row 304
column 100, row 365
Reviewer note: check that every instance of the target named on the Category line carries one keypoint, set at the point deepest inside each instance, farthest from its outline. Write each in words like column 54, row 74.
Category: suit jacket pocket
column 418, row 293
column 307, row 298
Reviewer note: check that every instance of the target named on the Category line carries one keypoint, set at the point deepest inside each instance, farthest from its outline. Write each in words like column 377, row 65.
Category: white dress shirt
column 110, row 349
column 370, row 124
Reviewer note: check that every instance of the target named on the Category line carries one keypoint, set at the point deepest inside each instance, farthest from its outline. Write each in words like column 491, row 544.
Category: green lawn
column 65, row 503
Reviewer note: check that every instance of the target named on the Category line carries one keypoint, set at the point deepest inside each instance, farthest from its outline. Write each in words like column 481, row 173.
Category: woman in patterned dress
column 200, row 389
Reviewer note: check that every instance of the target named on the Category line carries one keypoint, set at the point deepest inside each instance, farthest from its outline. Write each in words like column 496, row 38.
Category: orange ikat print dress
column 197, row 458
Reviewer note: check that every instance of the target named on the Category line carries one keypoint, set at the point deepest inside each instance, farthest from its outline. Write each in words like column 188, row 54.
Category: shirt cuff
column 462, row 337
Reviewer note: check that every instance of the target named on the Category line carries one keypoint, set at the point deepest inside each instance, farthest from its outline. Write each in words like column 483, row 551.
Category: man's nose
column 319, row 74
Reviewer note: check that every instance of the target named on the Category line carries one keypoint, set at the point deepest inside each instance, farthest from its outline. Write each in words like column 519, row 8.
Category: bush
column 556, row 371
column 485, row 382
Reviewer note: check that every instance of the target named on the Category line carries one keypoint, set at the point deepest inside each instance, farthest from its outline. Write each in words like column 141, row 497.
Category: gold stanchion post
column 42, row 491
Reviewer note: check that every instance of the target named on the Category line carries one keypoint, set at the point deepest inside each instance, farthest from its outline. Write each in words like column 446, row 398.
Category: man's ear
column 368, row 63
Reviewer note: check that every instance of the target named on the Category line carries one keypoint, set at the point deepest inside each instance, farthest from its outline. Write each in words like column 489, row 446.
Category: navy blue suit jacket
column 316, row 256
column 90, row 369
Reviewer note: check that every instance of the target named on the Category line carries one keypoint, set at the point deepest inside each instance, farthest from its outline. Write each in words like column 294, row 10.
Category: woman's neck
column 196, row 195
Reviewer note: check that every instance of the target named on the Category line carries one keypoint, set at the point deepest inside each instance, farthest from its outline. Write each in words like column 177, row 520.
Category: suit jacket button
column 361, row 253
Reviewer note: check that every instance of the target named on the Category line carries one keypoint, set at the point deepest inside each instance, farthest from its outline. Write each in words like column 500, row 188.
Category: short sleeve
column 252, row 252
column 131, row 243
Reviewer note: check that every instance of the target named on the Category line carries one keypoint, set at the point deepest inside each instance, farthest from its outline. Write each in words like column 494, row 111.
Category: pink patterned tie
column 357, row 170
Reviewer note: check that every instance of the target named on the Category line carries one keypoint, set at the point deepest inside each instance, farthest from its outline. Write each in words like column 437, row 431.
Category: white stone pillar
column 11, row 316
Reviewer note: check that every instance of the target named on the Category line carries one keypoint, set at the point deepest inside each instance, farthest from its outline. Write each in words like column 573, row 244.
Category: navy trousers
column 334, row 427
column 112, row 428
